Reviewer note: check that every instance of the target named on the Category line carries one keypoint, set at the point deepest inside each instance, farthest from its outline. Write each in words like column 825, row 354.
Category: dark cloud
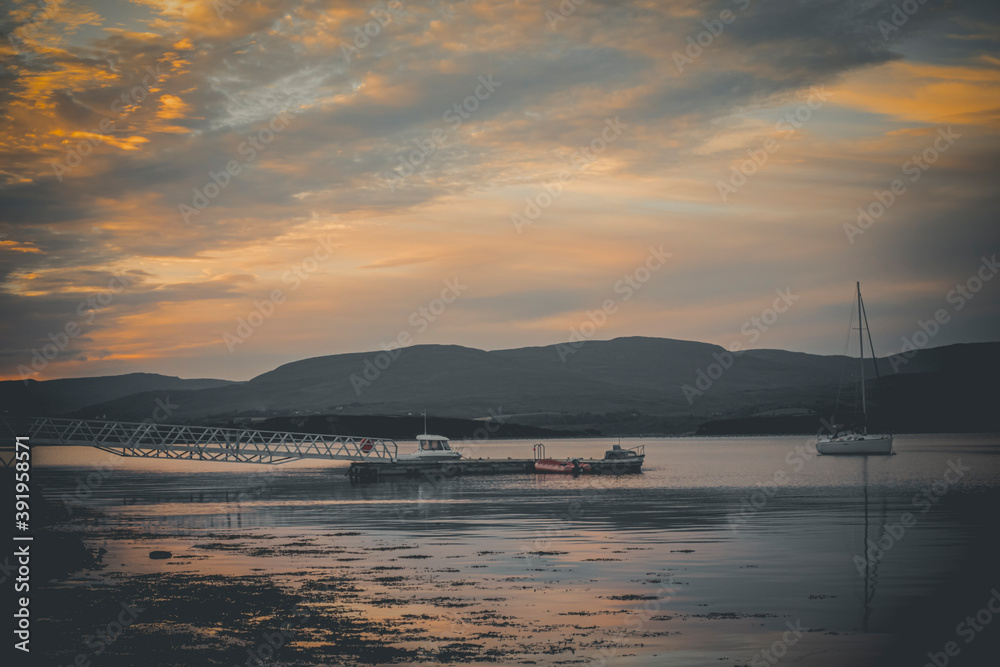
column 351, row 122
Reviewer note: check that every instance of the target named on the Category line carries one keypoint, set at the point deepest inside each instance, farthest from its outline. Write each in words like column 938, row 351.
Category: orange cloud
column 923, row 93
column 132, row 143
column 17, row 246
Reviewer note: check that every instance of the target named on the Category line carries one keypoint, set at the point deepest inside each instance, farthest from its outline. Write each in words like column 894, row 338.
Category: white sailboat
column 858, row 440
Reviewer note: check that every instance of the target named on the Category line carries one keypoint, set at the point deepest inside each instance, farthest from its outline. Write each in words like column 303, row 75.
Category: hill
column 53, row 397
column 625, row 385
column 404, row 428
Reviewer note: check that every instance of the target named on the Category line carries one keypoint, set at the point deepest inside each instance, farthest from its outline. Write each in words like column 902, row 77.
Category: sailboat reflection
column 871, row 549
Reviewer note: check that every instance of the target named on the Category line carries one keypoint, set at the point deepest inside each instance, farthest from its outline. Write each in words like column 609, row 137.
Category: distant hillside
column 621, row 386
column 406, row 428
column 952, row 401
column 51, row 397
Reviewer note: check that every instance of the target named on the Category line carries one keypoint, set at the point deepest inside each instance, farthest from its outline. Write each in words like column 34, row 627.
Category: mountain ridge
column 666, row 385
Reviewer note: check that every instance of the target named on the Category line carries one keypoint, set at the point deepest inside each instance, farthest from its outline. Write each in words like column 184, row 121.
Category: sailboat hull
column 866, row 444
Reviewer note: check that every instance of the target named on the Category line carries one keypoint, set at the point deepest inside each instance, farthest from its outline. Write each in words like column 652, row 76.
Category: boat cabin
column 432, row 447
column 616, row 452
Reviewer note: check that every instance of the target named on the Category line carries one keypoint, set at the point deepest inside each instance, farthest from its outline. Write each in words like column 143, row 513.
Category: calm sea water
column 707, row 557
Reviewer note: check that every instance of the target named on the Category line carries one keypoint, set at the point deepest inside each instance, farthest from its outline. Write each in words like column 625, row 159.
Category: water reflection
column 558, row 544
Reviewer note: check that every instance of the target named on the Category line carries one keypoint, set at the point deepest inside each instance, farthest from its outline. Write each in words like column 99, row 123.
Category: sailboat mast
column 861, row 339
column 871, row 346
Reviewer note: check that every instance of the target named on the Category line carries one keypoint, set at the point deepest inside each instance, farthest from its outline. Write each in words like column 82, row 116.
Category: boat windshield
column 433, row 445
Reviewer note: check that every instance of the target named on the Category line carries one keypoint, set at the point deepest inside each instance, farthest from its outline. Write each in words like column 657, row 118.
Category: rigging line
column 861, row 359
column 864, row 313
column 843, row 362
column 878, row 377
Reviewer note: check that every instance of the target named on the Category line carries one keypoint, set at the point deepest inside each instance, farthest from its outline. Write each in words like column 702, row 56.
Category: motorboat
column 431, row 448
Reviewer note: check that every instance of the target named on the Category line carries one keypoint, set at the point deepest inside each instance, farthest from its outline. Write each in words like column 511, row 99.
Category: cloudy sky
column 324, row 170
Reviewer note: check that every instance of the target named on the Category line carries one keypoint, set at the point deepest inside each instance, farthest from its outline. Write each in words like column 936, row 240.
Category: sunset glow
column 167, row 167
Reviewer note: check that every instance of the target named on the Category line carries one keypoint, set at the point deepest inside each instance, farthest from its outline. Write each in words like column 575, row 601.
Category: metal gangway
column 205, row 443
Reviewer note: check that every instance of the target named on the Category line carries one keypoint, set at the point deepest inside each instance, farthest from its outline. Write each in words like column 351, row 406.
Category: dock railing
column 206, row 443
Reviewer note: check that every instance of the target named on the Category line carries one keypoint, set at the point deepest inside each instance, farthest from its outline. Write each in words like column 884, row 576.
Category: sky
column 212, row 189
